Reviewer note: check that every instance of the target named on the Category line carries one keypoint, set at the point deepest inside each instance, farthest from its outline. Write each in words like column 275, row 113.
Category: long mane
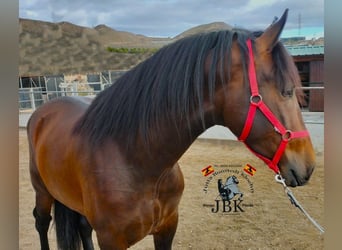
column 166, row 88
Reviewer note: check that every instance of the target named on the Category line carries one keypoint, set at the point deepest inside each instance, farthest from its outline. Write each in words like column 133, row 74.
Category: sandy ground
column 264, row 220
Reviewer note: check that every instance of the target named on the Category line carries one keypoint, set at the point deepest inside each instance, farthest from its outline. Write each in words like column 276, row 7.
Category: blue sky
column 168, row 18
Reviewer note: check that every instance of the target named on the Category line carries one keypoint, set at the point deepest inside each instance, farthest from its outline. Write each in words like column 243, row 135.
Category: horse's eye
column 288, row 93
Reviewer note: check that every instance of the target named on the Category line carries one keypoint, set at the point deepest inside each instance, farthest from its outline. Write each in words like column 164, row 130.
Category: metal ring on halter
column 287, row 136
column 255, row 99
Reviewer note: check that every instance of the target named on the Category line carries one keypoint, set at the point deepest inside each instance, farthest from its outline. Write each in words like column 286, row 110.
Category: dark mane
column 166, row 88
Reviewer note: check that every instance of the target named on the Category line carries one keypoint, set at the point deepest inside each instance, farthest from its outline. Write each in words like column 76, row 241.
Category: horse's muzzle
column 294, row 178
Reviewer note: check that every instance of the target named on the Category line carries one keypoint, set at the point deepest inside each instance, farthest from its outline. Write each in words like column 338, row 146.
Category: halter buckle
column 287, row 136
column 255, row 99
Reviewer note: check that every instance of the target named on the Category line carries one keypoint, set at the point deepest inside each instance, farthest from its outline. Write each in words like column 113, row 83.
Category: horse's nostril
column 309, row 173
column 310, row 170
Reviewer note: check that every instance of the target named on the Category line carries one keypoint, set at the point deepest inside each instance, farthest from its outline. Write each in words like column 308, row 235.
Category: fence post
column 33, row 103
column 75, row 88
column 101, row 82
column 110, row 76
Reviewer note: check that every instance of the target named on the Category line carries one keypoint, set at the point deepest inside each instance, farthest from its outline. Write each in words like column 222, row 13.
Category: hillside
column 52, row 48
column 47, row 48
column 204, row 28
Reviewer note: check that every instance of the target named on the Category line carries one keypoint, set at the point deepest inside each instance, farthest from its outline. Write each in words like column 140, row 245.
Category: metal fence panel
column 31, row 98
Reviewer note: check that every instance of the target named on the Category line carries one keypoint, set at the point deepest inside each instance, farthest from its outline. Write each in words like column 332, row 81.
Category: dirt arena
column 264, row 220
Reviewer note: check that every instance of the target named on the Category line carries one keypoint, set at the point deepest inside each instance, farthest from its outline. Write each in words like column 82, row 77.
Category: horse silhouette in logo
column 229, row 189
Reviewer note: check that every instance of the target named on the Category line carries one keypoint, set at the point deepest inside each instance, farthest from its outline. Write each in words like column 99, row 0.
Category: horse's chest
column 168, row 192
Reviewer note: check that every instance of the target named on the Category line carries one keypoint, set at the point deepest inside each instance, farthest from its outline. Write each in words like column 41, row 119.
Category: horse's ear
column 270, row 37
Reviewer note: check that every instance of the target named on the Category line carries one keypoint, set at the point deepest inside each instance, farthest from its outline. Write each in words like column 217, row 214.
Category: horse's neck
column 229, row 182
column 168, row 146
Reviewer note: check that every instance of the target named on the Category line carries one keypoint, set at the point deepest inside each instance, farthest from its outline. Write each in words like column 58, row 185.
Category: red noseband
column 256, row 102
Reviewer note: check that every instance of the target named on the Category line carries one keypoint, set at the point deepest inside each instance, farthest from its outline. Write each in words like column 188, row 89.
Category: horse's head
column 276, row 78
column 232, row 180
column 235, row 179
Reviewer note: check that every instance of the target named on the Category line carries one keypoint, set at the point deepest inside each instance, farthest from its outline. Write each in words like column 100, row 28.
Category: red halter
column 257, row 102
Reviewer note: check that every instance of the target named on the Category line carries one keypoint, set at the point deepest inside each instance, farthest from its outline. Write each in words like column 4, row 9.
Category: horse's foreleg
column 164, row 237
column 85, row 230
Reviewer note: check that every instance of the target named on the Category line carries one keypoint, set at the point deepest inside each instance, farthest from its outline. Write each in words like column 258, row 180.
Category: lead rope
column 294, row 201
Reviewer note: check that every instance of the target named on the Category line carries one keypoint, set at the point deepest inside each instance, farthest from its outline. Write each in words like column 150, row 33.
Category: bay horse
column 110, row 165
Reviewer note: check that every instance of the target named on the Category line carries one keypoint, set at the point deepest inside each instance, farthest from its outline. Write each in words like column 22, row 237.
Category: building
column 309, row 60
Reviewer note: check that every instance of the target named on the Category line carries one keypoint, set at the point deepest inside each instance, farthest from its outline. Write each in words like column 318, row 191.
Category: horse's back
column 62, row 108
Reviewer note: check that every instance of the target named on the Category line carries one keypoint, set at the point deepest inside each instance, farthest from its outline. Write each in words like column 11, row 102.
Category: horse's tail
column 67, row 227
